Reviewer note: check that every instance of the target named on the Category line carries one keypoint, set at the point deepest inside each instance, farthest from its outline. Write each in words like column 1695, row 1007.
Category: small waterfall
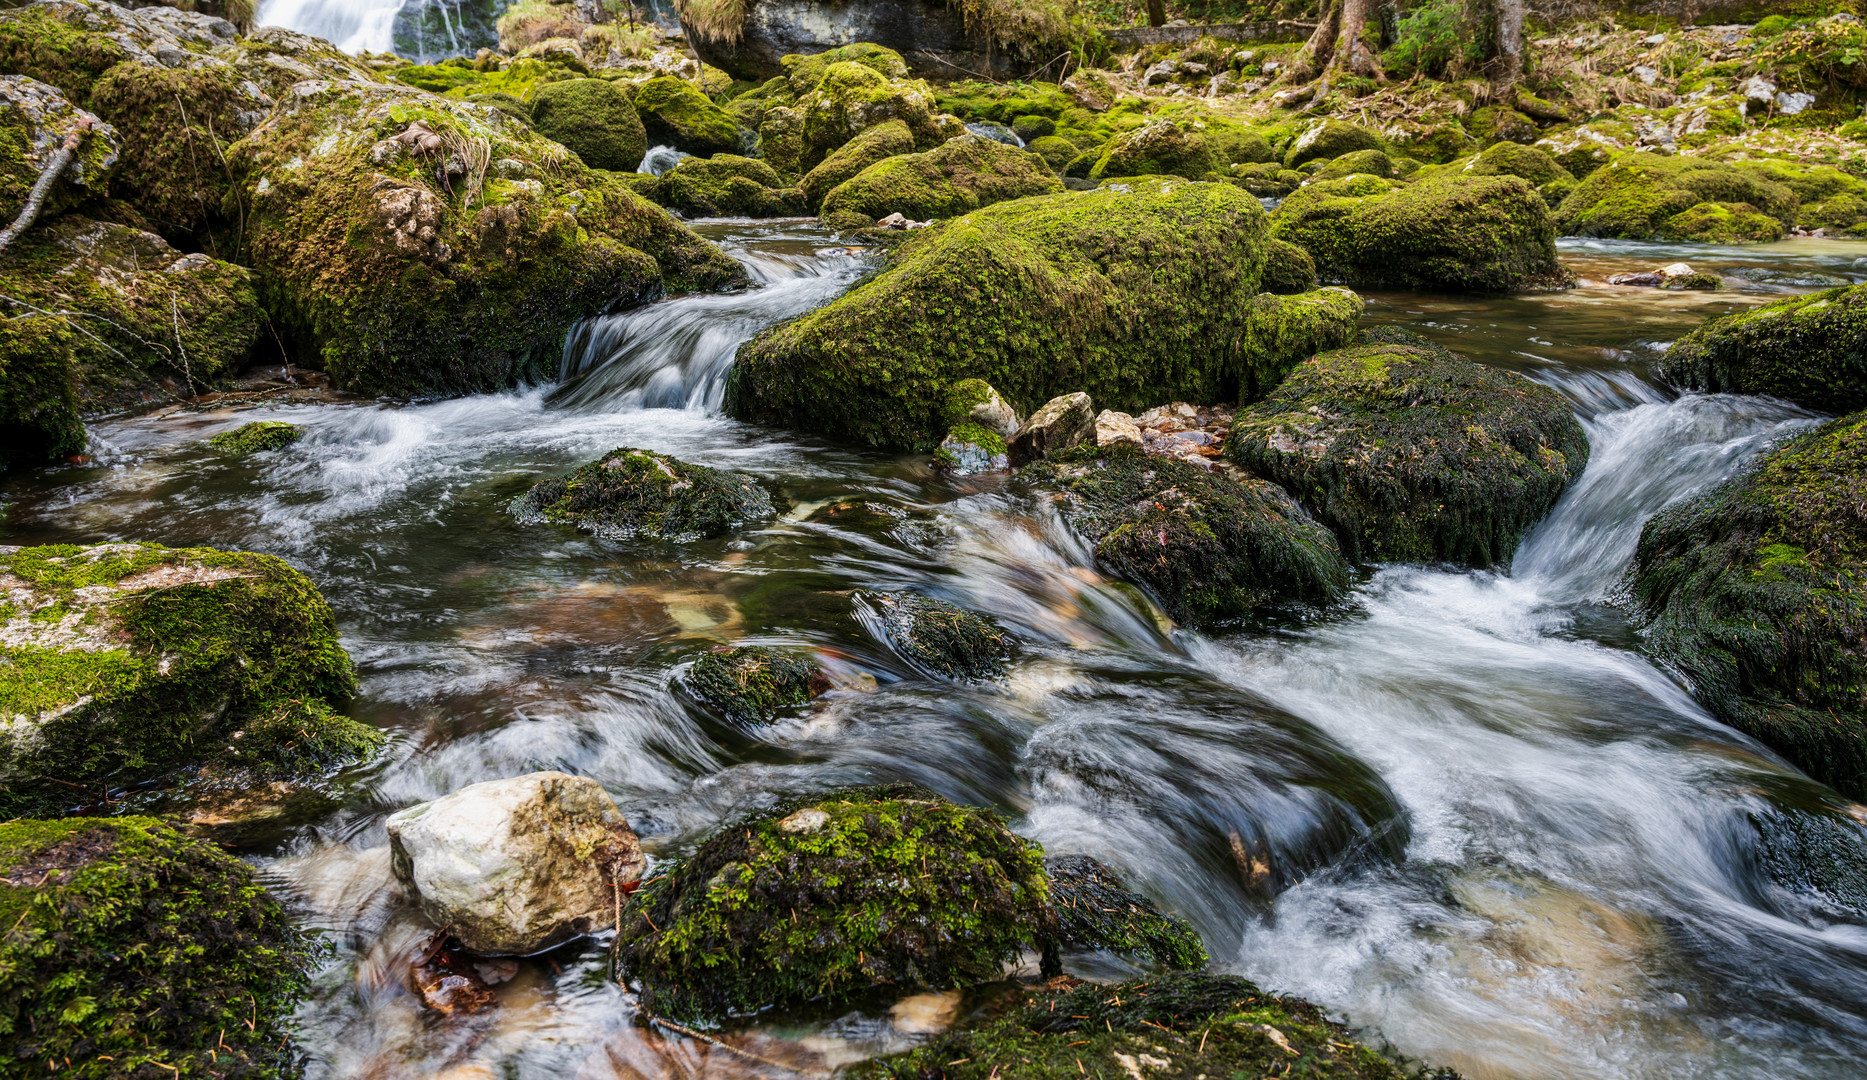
column 421, row 30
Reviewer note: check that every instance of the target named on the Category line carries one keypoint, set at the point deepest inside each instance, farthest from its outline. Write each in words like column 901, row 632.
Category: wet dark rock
column 1811, row 350
column 1092, row 908
column 938, row 638
column 752, row 684
column 629, row 493
column 1793, row 279
column 1059, row 424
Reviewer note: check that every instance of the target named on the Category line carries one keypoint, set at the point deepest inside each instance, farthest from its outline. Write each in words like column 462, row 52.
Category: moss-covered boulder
column 727, row 185
column 257, row 436
column 102, row 316
column 851, row 97
column 1811, row 350
column 824, row 900
column 1131, row 296
column 1641, row 196
column 675, row 113
column 1410, row 453
column 126, row 661
column 1329, row 138
column 878, row 143
column 132, row 949
column 1173, row 1026
column 1362, row 162
column 952, row 179
column 936, row 637
column 1477, row 234
column 1056, row 151
column 628, row 493
column 1756, row 593
column 594, row 119
column 1208, row 547
column 754, row 685
column 1092, row 908
column 35, row 119
column 1158, row 147
column 410, row 243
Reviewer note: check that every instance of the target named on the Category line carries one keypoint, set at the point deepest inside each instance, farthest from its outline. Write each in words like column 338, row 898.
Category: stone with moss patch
column 753, row 684
column 675, row 113
column 1811, row 350
column 131, row 946
column 257, row 436
column 594, row 119
column 1756, row 592
column 952, row 179
column 628, row 493
column 1329, row 138
column 1161, row 147
column 127, row 661
column 1411, row 453
column 850, row 98
column 35, row 119
column 1642, row 196
column 936, row 637
column 884, row 140
column 727, row 185
column 1092, row 908
column 1365, row 162
column 1041, row 297
column 824, row 900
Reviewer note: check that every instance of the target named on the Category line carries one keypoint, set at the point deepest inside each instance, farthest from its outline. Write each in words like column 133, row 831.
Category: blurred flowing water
column 1460, row 811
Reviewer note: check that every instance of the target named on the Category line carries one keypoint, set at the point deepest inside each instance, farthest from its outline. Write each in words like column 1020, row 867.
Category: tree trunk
column 1157, row 12
column 1390, row 22
column 1500, row 28
column 1337, row 44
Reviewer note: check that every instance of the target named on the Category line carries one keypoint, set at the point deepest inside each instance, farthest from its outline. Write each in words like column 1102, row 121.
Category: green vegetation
column 727, row 186
column 593, row 119
column 884, row 140
column 1092, row 908
column 675, row 113
column 954, row 178
column 752, row 684
column 628, row 493
column 937, row 637
column 1160, row 147
column 1639, row 196
column 1811, row 350
column 133, row 950
column 258, row 435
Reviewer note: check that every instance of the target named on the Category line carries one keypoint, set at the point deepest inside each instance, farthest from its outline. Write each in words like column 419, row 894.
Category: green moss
column 1723, row 223
column 1288, row 270
column 133, row 948
column 937, row 637
column 436, row 78
column 1056, row 151
column 973, row 434
column 1160, row 148
column 1176, row 1026
column 1368, row 162
column 884, row 140
column 1467, row 233
column 258, row 435
column 802, row 74
column 1329, row 138
column 781, row 139
column 727, row 185
column 1092, row 908
column 594, row 119
column 1041, row 297
column 628, row 493
column 1811, row 350
column 752, row 684
column 1410, row 453
column 1533, row 163
column 160, row 667
column 863, row 888
column 1702, row 280
column 1495, row 123
column 952, row 179
column 1640, row 196
column 1754, row 593
column 34, row 119
column 1208, row 547
column 35, row 42
column 676, row 113
column 852, row 97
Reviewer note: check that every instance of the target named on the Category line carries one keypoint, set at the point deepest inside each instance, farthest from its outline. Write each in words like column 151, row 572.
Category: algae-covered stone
column 727, row 185
column 1092, row 908
column 954, row 178
column 131, row 946
column 158, row 322
column 937, row 637
column 1640, row 196
column 1178, row 1025
column 880, row 142
column 677, row 114
column 1409, row 452
column 1534, row 164
column 628, row 493
column 592, row 118
column 1811, row 350
column 257, row 436
column 1056, row 151
column 1041, row 297
column 970, row 449
column 1482, row 234
column 1207, row 546
column 825, row 899
column 752, row 684
column 126, row 661
column 1158, row 147
column 35, row 120
column 1329, row 138
column 415, row 243
column 1756, row 592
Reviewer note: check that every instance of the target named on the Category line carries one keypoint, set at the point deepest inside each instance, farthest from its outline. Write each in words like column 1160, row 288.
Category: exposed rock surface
column 935, row 637
column 1057, row 425
column 628, row 493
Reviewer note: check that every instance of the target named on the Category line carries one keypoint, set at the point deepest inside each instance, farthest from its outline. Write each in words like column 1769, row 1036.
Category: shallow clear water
column 1460, row 810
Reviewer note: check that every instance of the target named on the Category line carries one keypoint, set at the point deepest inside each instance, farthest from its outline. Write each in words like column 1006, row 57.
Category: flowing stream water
column 1460, row 811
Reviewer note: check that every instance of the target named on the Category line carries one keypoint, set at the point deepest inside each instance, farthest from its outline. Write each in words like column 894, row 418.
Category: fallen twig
column 60, row 160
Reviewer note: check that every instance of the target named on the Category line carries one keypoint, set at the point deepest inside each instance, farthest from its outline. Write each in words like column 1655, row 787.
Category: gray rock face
column 1061, row 423
column 930, row 34
column 517, row 866
column 39, row 117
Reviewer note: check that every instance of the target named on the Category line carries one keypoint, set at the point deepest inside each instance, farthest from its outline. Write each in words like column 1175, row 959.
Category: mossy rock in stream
column 851, row 97
column 257, row 436
column 1329, row 138
column 1411, row 453
column 938, row 638
column 628, row 493
column 883, row 141
column 1464, row 233
column 753, row 685
column 1208, row 546
column 1642, row 196
column 130, row 946
column 1172, row 1026
column 727, row 185
column 1811, row 350
column 127, row 661
column 593, row 118
column 828, row 898
column 1092, row 908
column 675, row 113
column 1042, row 297
column 35, row 117
column 954, row 178
column 1756, row 592
column 1158, row 147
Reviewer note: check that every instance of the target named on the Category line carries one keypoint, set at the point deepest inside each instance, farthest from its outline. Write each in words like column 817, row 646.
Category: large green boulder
column 1158, row 147
column 727, row 185
column 1329, row 138
column 1462, row 233
column 35, row 119
column 1811, row 350
column 127, row 661
column 1133, row 294
column 850, row 97
column 1642, row 196
column 594, row 119
column 1756, row 593
column 827, row 898
column 883, row 141
column 952, row 179
column 400, row 274
column 675, row 113
column 1411, row 453
column 628, row 493
column 132, row 950
column 149, row 322
column 1208, row 547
